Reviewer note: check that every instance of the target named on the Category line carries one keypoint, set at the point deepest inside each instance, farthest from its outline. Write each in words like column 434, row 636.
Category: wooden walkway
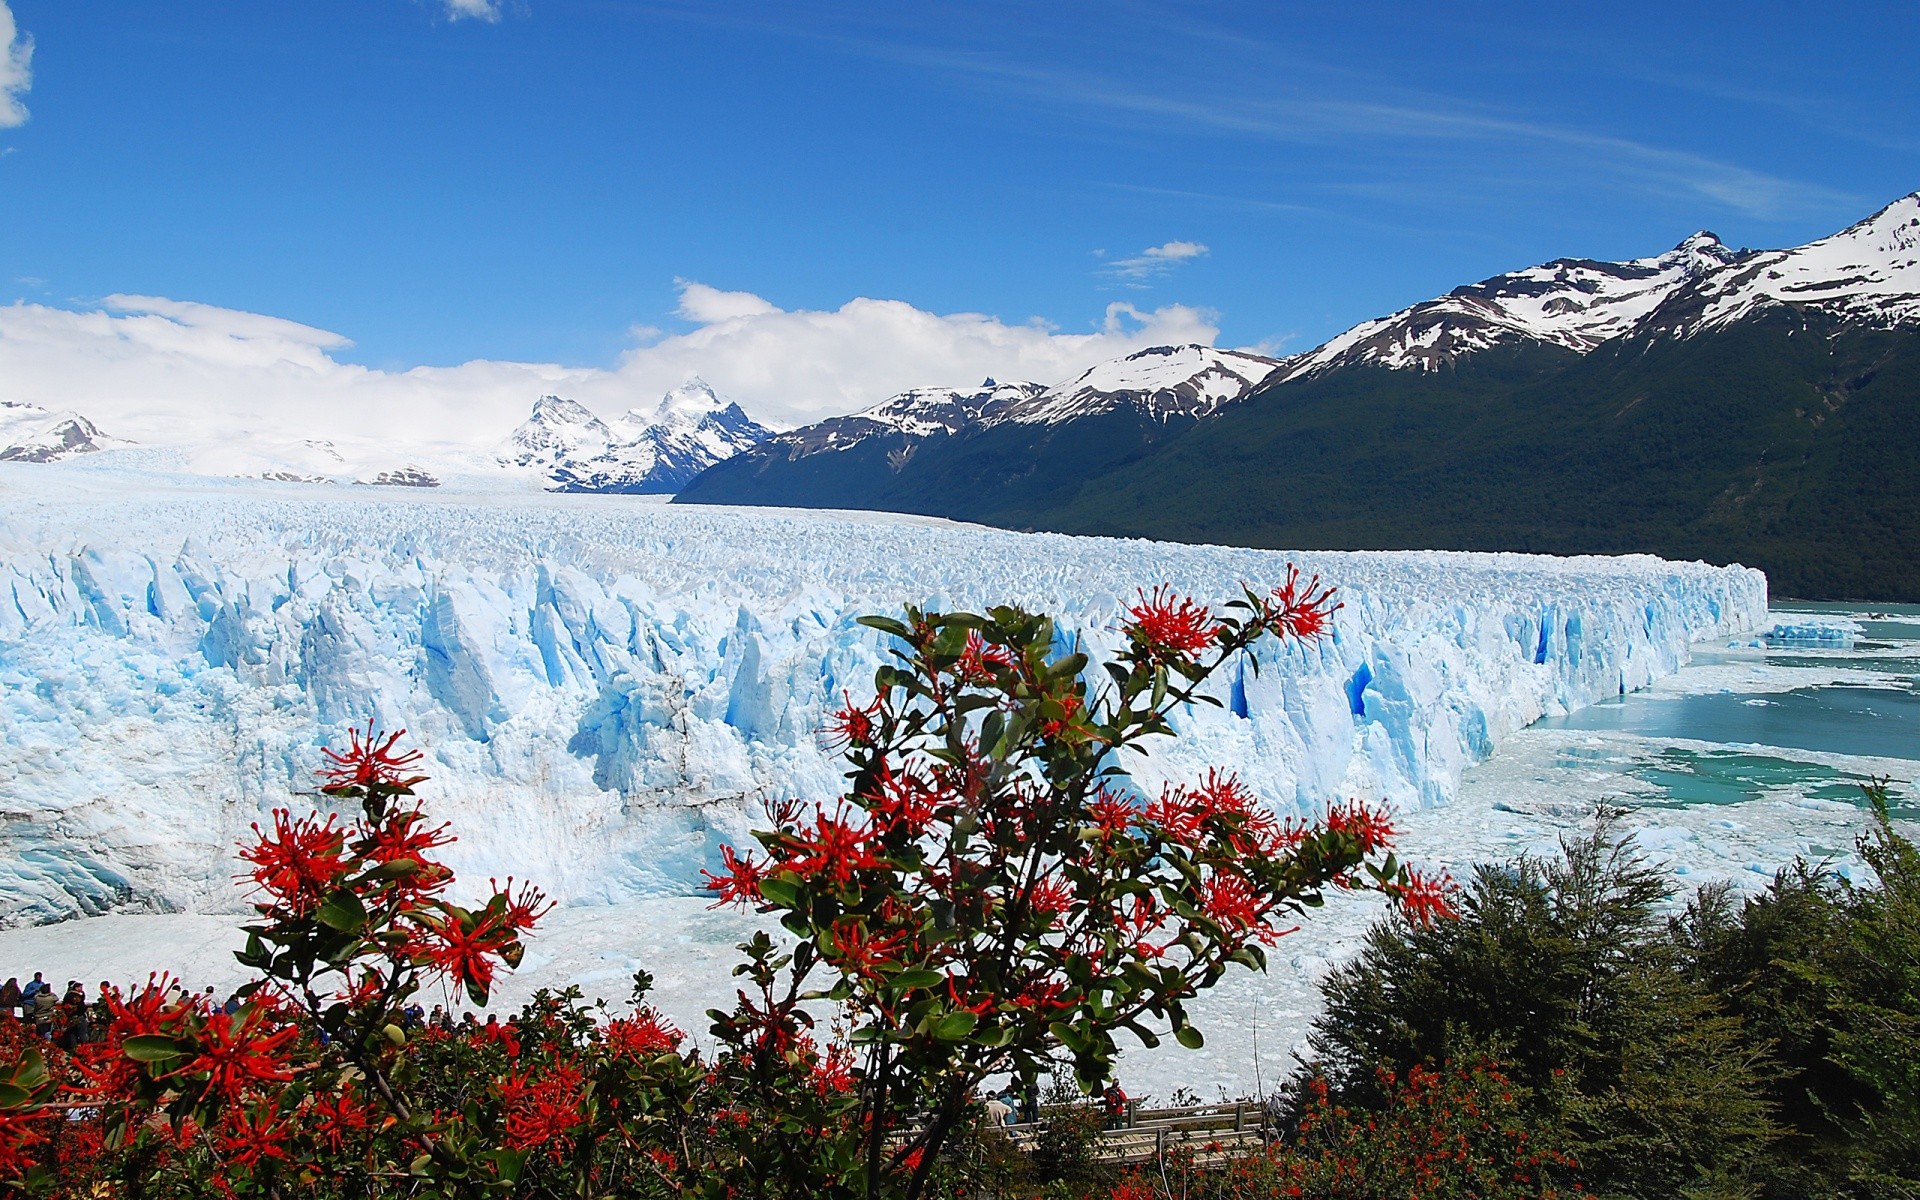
column 1209, row 1132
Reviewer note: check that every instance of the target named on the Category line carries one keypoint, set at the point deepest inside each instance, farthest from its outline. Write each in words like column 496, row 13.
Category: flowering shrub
column 992, row 896
column 1442, row 1133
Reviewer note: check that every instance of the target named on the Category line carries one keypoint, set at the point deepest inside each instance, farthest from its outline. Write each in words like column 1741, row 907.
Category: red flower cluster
column 851, row 724
column 299, row 862
column 543, row 1111
column 1299, row 609
column 238, row 1051
column 370, row 762
column 20, row 1132
column 740, row 884
column 1167, row 621
column 248, row 1134
column 979, row 661
column 642, row 1035
column 1425, row 899
column 1354, row 818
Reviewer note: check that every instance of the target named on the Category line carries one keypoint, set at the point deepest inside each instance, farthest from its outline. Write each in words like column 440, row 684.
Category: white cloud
column 170, row 372
column 478, row 10
column 1154, row 261
column 16, row 69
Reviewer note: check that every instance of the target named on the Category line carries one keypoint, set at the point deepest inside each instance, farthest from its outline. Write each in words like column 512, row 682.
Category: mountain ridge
column 1635, row 358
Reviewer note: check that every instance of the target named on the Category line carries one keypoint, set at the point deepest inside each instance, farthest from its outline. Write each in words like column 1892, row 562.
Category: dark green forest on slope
column 1790, row 442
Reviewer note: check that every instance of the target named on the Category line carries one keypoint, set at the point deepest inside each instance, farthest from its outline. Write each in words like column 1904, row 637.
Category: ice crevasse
column 608, row 688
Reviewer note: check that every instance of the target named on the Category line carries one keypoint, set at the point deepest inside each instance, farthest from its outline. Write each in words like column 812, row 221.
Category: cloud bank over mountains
column 167, row 372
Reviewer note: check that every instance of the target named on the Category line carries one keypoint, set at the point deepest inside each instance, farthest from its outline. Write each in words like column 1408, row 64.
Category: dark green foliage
column 1564, row 970
column 1789, row 442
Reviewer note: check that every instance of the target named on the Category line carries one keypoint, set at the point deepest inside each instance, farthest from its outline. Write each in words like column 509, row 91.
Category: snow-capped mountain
column 1868, row 274
column 29, row 433
column 1575, row 303
column 645, row 451
column 1159, row 383
column 913, row 415
column 945, row 445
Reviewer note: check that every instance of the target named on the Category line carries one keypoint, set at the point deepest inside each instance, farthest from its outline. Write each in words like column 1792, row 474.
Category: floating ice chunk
column 1800, row 629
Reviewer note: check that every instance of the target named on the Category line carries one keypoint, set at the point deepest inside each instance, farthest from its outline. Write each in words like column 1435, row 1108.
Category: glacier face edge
column 608, row 688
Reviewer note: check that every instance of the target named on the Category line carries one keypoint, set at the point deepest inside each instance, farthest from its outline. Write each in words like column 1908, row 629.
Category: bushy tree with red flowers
column 1444, row 1132
column 992, row 896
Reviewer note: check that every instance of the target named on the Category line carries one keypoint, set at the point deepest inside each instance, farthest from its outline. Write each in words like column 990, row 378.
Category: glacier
column 608, row 688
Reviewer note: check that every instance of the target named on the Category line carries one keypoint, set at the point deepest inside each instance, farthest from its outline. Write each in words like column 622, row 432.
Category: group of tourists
column 70, row 1018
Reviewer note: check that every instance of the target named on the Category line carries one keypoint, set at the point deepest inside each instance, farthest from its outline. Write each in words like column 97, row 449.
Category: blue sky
column 536, row 180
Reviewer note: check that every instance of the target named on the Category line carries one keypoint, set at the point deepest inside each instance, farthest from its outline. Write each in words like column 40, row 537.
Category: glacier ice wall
column 609, row 687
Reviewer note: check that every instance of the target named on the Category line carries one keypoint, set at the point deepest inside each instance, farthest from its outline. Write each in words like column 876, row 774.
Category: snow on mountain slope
column 1868, row 272
column 1575, row 303
column 29, row 433
column 912, row 415
column 1159, row 382
column 608, row 687
column 646, row 451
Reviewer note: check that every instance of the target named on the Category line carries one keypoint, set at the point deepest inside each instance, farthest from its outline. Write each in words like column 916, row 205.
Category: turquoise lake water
column 1754, row 753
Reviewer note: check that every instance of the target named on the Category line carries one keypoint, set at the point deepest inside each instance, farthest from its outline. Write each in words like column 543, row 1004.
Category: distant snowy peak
column 1868, row 272
column 1575, row 303
column 913, row 415
column 1159, row 383
column 29, row 433
column 653, row 450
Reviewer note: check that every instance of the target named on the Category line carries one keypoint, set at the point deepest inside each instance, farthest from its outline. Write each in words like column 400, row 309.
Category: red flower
column 642, row 1034
column 833, row 1071
column 1299, row 610
column 1166, row 621
column 19, row 1133
column 1051, row 897
column 851, row 725
column 370, row 764
column 237, row 1051
column 851, row 947
column 250, row 1134
column 403, row 836
column 299, row 862
column 1175, row 816
column 522, row 912
column 1370, row 828
column 542, row 1112
column 464, row 945
column 741, row 883
column 339, row 1117
column 905, row 799
column 1425, row 898
column 1071, row 707
column 835, row 849
column 1111, row 813
column 980, row 661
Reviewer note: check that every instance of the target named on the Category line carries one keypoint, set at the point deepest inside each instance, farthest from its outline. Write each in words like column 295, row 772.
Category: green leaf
column 31, row 1071
column 342, row 910
column 779, row 892
column 954, row 1026
column 151, row 1047
column 918, row 978
column 1189, row 1037
column 886, row 625
column 12, row 1096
